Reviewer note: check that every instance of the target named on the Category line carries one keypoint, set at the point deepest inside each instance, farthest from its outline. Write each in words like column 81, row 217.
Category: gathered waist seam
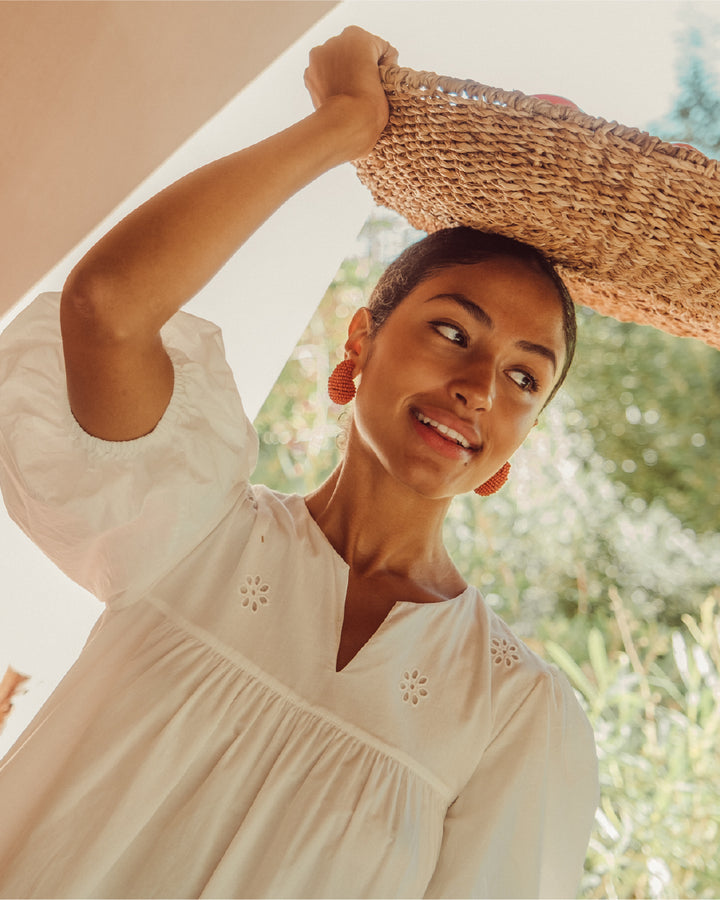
column 281, row 690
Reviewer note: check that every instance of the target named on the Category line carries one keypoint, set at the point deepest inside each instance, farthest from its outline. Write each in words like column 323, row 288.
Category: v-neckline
column 340, row 633
column 339, row 603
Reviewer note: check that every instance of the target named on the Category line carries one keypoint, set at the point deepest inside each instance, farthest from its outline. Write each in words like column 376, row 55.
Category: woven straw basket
column 632, row 223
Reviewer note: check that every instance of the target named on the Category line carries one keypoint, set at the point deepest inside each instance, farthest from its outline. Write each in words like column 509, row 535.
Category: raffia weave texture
column 632, row 223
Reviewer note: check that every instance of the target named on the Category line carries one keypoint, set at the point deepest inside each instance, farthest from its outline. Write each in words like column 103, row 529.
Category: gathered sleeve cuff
column 116, row 516
column 521, row 826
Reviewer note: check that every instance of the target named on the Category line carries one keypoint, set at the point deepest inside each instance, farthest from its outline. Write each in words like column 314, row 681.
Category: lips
column 467, row 440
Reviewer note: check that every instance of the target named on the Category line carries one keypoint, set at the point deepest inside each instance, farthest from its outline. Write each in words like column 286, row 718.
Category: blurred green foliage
column 651, row 403
column 695, row 114
column 657, row 729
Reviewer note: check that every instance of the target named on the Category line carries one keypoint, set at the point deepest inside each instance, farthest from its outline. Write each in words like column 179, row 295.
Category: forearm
column 162, row 254
column 115, row 301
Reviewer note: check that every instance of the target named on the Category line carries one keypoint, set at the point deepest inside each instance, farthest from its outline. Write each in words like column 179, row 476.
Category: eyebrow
column 541, row 349
column 478, row 313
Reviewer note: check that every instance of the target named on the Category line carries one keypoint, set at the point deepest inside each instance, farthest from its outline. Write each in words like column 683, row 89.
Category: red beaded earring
column 492, row 485
column 341, row 386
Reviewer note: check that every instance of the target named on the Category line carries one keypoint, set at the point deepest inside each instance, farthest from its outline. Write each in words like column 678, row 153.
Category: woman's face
column 455, row 379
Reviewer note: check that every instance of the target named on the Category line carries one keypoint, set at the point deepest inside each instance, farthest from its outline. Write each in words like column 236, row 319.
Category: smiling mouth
column 448, row 433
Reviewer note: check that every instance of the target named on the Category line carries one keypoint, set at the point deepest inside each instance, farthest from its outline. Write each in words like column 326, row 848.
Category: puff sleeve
column 116, row 516
column 521, row 826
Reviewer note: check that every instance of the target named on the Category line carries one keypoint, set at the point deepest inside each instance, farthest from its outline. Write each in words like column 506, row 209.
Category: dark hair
column 457, row 247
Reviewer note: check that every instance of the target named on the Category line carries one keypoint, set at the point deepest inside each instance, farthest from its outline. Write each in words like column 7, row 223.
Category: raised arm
column 135, row 278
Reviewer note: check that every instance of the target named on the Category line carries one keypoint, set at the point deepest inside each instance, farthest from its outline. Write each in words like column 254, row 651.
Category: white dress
column 204, row 744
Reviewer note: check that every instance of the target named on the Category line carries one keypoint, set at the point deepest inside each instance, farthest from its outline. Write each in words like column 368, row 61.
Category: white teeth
column 443, row 429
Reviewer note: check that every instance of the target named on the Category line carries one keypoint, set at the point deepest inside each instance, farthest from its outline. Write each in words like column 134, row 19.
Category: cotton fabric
column 204, row 745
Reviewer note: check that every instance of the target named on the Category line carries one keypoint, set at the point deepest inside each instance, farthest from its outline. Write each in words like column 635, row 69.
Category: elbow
column 89, row 307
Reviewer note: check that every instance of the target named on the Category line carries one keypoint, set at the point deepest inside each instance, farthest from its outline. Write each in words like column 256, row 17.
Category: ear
column 357, row 346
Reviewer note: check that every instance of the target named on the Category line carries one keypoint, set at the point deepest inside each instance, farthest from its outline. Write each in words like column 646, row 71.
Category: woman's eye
column 451, row 332
column 524, row 380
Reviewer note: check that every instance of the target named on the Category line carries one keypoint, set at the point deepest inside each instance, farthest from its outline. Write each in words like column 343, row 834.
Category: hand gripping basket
column 632, row 222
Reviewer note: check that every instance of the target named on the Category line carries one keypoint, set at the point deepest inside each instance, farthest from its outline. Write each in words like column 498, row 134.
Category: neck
column 379, row 525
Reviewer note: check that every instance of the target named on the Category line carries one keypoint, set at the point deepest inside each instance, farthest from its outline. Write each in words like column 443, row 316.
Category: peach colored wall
column 97, row 94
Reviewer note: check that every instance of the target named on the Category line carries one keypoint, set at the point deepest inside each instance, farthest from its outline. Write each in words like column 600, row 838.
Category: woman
column 286, row 696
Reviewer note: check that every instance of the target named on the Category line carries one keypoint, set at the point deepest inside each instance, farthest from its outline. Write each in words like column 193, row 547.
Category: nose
column 474, row 387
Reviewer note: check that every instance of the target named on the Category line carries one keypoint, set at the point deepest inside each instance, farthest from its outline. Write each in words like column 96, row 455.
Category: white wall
column 96, row 95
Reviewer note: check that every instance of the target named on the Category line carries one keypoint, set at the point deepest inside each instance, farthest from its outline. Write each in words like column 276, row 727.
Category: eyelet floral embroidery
column 504, row 653
column 254, row 593
column 413, row 687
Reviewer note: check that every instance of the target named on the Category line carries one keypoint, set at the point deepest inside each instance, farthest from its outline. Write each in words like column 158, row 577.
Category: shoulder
column 526, row 686
column 513, row 664
column 285, row 530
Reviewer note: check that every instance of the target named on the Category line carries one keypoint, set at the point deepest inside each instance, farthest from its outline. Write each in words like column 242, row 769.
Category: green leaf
column 564, row 661
column 598, row 658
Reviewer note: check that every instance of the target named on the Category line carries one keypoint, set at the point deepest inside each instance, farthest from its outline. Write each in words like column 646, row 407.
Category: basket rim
column 402, row 80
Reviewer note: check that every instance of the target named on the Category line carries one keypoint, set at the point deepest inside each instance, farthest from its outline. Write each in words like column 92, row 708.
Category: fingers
column 345, row 70
column 385, row 53
column 351, row 45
